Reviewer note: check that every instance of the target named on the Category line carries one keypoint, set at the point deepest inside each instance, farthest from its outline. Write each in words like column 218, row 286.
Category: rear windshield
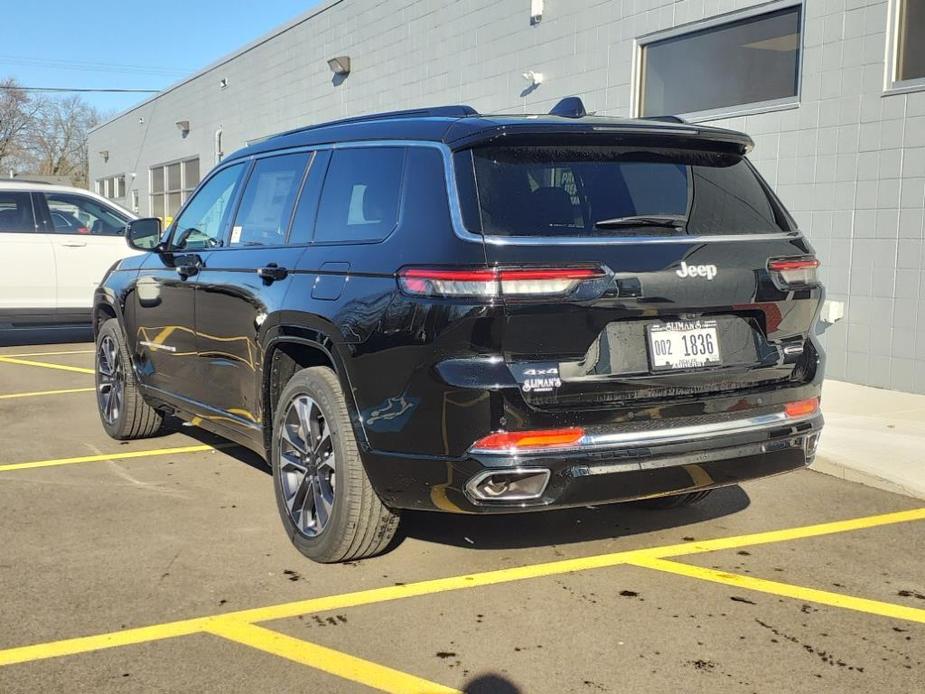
column 611, row 191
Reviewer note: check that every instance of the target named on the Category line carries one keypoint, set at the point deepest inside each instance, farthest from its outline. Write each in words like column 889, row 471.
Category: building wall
column 849, row 162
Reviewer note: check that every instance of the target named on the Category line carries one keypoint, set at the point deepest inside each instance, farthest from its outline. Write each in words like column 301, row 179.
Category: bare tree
column 17, row 112
column 56, row 138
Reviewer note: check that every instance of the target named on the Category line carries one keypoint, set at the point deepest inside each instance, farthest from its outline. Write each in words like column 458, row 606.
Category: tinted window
column 266, row 205
column 75, row 214
column 361, row 194
column 303, row 224
column 591, row 191
column 910, row 63
column 742, row 62
column 16, row 212
column 204, row 219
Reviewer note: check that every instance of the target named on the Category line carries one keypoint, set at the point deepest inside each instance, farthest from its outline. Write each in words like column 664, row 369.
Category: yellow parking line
column 326, row 659
column 787, row 590
column 110, row 456
column 45, row 364
column 48, row 354
column 376, row 595
column 11, row 396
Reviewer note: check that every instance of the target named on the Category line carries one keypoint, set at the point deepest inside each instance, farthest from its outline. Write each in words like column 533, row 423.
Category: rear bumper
column 607, row 465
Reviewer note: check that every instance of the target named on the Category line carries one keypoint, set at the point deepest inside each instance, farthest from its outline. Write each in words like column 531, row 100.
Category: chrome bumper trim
column 668, row 435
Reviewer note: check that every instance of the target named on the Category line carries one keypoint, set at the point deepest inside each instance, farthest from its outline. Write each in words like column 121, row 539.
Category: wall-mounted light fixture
column 141, row 120
column 223, row 83
column 534, row 78
column 183, row 127
column 105, row 154
column 340, row 65
column 536, row 11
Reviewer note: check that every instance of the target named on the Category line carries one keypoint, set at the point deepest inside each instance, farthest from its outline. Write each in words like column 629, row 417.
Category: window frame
column 185, row 190
column 891, row 83
column 751, row 108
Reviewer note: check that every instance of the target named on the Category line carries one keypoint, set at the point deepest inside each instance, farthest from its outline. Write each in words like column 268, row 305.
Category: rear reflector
column 801, row 408
column 495, row 282
column 795, row 271
column 529, row 440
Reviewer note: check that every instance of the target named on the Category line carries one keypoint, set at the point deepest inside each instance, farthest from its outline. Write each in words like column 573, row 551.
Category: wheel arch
column 291, row 350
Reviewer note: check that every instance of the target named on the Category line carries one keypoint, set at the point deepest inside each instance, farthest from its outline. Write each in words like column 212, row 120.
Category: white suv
column 56, row 243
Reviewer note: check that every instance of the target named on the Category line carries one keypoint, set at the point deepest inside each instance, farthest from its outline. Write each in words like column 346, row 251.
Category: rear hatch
column 688, row 277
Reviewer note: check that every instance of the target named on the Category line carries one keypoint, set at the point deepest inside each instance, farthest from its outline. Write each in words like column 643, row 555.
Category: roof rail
column 458, row 111
column 569, row 107
column 666, row 119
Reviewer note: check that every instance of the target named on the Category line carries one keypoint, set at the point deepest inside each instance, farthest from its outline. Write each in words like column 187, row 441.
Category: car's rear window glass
column 611, row 191
column 361, row 194
column 266, row 206
column 16, row 213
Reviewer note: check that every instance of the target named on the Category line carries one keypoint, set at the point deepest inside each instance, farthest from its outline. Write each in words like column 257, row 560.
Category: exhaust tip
column 519, row 484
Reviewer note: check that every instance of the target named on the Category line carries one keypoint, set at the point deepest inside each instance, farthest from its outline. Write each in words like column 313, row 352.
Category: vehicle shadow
column 528, row 529
column 566, row 526
column 44, row 335
column 490, row 683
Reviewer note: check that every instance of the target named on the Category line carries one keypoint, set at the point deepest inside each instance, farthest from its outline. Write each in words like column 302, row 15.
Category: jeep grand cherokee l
column 478, row 314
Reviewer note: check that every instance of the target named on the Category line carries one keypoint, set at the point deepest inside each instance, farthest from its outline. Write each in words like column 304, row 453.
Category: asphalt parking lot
column 161, row 565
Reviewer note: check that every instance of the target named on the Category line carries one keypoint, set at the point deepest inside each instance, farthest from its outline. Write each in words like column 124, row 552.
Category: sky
column 128, row 44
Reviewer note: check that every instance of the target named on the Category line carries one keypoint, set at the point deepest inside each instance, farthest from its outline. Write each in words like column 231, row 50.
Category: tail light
column 794, row 272
column 495, row 282
column 801, row 408
column 524, row 441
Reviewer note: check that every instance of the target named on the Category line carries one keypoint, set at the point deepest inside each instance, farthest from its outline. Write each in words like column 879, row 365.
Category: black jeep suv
column 450, row 311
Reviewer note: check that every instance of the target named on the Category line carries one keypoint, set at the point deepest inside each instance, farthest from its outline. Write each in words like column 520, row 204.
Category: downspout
column 217, row 147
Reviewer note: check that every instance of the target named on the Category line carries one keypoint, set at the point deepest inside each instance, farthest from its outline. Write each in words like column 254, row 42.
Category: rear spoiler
column 599, row 131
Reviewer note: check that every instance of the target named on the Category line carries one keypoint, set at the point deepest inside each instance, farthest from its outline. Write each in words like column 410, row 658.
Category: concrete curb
column 873, row 437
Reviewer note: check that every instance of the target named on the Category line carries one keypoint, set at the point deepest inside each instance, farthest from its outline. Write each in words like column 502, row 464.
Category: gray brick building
column 833, row 92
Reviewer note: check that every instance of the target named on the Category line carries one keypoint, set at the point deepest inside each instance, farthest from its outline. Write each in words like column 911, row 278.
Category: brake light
column 516, row 441
column 495, row 282
column 795, row 271
column 801, row 408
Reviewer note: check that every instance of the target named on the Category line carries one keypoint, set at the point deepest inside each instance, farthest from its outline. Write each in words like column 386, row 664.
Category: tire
column 124, row 413
column 675, row 500
column 325, row 500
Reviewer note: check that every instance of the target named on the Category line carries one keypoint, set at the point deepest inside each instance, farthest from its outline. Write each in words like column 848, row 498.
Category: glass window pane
column 173, row 203
column 173, row 177
column 16, row 213
column 583, row 191
column 205, row 218
column 743, row 62
column 361, row 195
column 911, row 54
column 192, row 173
column 75, row 214
column 157, row 206
column 266, row 206
column 157, row 179
column 120, row 187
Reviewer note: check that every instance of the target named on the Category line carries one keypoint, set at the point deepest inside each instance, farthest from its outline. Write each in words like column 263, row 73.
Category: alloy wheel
column 111, row 379
column 307, row 465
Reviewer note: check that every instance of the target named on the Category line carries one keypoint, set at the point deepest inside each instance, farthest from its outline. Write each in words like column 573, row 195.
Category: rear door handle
column 74, row 244
column 272, row 272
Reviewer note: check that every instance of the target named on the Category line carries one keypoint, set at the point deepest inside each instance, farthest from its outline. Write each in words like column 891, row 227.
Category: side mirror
column 143, row 234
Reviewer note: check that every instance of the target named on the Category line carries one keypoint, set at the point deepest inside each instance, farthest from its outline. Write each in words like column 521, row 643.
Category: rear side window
column 16, row 213
column 611, row 191
column 75, row 214
column 266, row 205
column 361, row 194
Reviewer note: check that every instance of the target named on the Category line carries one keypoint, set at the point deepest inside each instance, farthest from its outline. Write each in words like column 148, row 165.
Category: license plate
column 683, row 345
